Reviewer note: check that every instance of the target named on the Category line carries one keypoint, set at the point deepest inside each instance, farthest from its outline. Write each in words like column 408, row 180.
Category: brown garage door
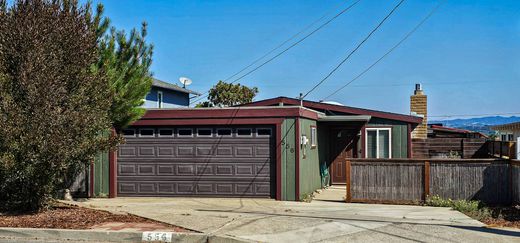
column 197, row 161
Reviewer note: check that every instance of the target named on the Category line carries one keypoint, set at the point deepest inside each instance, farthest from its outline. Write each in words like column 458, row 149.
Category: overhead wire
column 389, row 51
column 286, row 49
column 354, row 50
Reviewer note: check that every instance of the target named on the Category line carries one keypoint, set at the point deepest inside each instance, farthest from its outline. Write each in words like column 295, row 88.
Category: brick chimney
column 419, row 107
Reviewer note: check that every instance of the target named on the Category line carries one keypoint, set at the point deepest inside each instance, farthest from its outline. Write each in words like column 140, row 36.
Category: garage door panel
column 207, row 169
column 165, row 151
column 189, row 188
column 190, row 166
column 185, row 151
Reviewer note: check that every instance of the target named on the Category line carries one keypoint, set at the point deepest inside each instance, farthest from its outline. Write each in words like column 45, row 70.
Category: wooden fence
column 412, row 180
column 502, row 149
column 450, row 148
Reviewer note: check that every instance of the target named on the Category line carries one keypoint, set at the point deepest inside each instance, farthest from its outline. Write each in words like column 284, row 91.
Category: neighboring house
column 507, row 132
column 270, row 148
column 167, row 95
column 440, row 131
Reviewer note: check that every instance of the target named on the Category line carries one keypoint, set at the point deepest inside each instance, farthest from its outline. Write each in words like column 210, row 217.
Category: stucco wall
column 310, row 178
column 171, row 99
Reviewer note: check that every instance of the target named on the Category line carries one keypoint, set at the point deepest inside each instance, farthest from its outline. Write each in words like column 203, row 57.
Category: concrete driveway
column 318, row 221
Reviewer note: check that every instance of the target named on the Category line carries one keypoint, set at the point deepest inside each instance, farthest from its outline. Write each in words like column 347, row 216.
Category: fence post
column 426, row 180
column 347, row 175
column 462, row 148
column 501, row 145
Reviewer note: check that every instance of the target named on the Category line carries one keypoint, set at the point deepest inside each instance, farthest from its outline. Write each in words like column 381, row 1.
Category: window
column 244, row 132
column 313, row 137
column 263, row 132
column 129, row 132
column 204, row 132
column 159, row 99
column 378, row 143
column 146, row 132
column 165, row 132
column 507, row 137
column 184, row 132
column 224, row 131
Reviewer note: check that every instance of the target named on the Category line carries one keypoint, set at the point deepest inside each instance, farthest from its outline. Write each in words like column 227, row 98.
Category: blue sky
column 467, row 55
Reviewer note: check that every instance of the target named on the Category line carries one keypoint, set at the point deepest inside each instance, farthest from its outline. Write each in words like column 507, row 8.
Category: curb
column 34, row 234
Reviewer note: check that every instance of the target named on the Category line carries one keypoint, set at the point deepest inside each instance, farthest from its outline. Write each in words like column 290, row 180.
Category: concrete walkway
column 319, row 221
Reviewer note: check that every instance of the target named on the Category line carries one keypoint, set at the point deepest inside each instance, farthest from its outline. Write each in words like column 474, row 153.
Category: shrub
column 472, row 208
column 53, row 102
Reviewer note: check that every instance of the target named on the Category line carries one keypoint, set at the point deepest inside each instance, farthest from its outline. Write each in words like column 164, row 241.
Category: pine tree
column 126, row 61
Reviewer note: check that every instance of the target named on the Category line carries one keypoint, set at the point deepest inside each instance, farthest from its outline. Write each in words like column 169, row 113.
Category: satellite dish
column 185, row 81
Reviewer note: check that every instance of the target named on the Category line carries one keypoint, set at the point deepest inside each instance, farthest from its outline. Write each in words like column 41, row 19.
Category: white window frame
column 160, row 99
column 205, row 136
column 314, row 134
column 244, row 136
column 223, row 129
column 146, row 136
column 264, row 128
column 377, row 141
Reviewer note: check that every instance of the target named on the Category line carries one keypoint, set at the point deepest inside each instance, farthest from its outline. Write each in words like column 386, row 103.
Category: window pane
column 384, row 144
column 146, row 132
column 244, row 132
column 166, row 132
column 129, row 132
column 184, row 132
column 204, row 132
column 264, row 131
column 371, row 144
column 224, row 132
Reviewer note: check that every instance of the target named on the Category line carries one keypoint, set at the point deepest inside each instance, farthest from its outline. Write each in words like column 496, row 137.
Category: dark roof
column 338, row 108
column 174, row 87
column 508, row 126
column 448, row 129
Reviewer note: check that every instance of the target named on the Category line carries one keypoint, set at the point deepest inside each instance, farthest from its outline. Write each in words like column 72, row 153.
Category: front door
column 343, row 147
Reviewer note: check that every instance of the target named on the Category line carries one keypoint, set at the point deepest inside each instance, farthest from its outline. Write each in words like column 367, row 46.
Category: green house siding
column 288, row 150
column 399, row 135
column 310, row 178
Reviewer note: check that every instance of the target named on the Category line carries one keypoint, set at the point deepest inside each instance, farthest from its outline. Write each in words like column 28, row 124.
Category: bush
column 53, row 102
column 472, row 208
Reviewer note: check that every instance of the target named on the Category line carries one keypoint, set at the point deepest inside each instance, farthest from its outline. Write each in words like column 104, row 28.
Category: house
column 167, row 95
column 441, row 131
column 280, row 148
column 508, row 132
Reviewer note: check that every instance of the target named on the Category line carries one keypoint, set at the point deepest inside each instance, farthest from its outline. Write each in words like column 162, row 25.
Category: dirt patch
column 74, row 217
column 504, row 217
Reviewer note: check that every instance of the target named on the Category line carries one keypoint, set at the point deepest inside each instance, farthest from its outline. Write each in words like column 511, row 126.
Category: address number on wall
column 157, row 237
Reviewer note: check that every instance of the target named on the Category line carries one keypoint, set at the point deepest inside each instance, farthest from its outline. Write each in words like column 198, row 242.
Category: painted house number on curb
column 157, row 237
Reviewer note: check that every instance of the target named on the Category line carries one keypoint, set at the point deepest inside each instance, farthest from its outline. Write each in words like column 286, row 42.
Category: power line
column 355, row 49
column 281, row 44
column 290, row 47
column 389, row 51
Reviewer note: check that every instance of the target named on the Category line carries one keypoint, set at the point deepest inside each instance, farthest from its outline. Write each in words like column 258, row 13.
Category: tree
column 228, row 94
column 126, row 62
column 53, row 100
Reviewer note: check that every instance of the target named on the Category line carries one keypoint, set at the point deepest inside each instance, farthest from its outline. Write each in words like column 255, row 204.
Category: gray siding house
column 167, row 95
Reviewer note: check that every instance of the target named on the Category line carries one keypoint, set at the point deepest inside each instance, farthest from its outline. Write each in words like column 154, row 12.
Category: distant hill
column 480, row 124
